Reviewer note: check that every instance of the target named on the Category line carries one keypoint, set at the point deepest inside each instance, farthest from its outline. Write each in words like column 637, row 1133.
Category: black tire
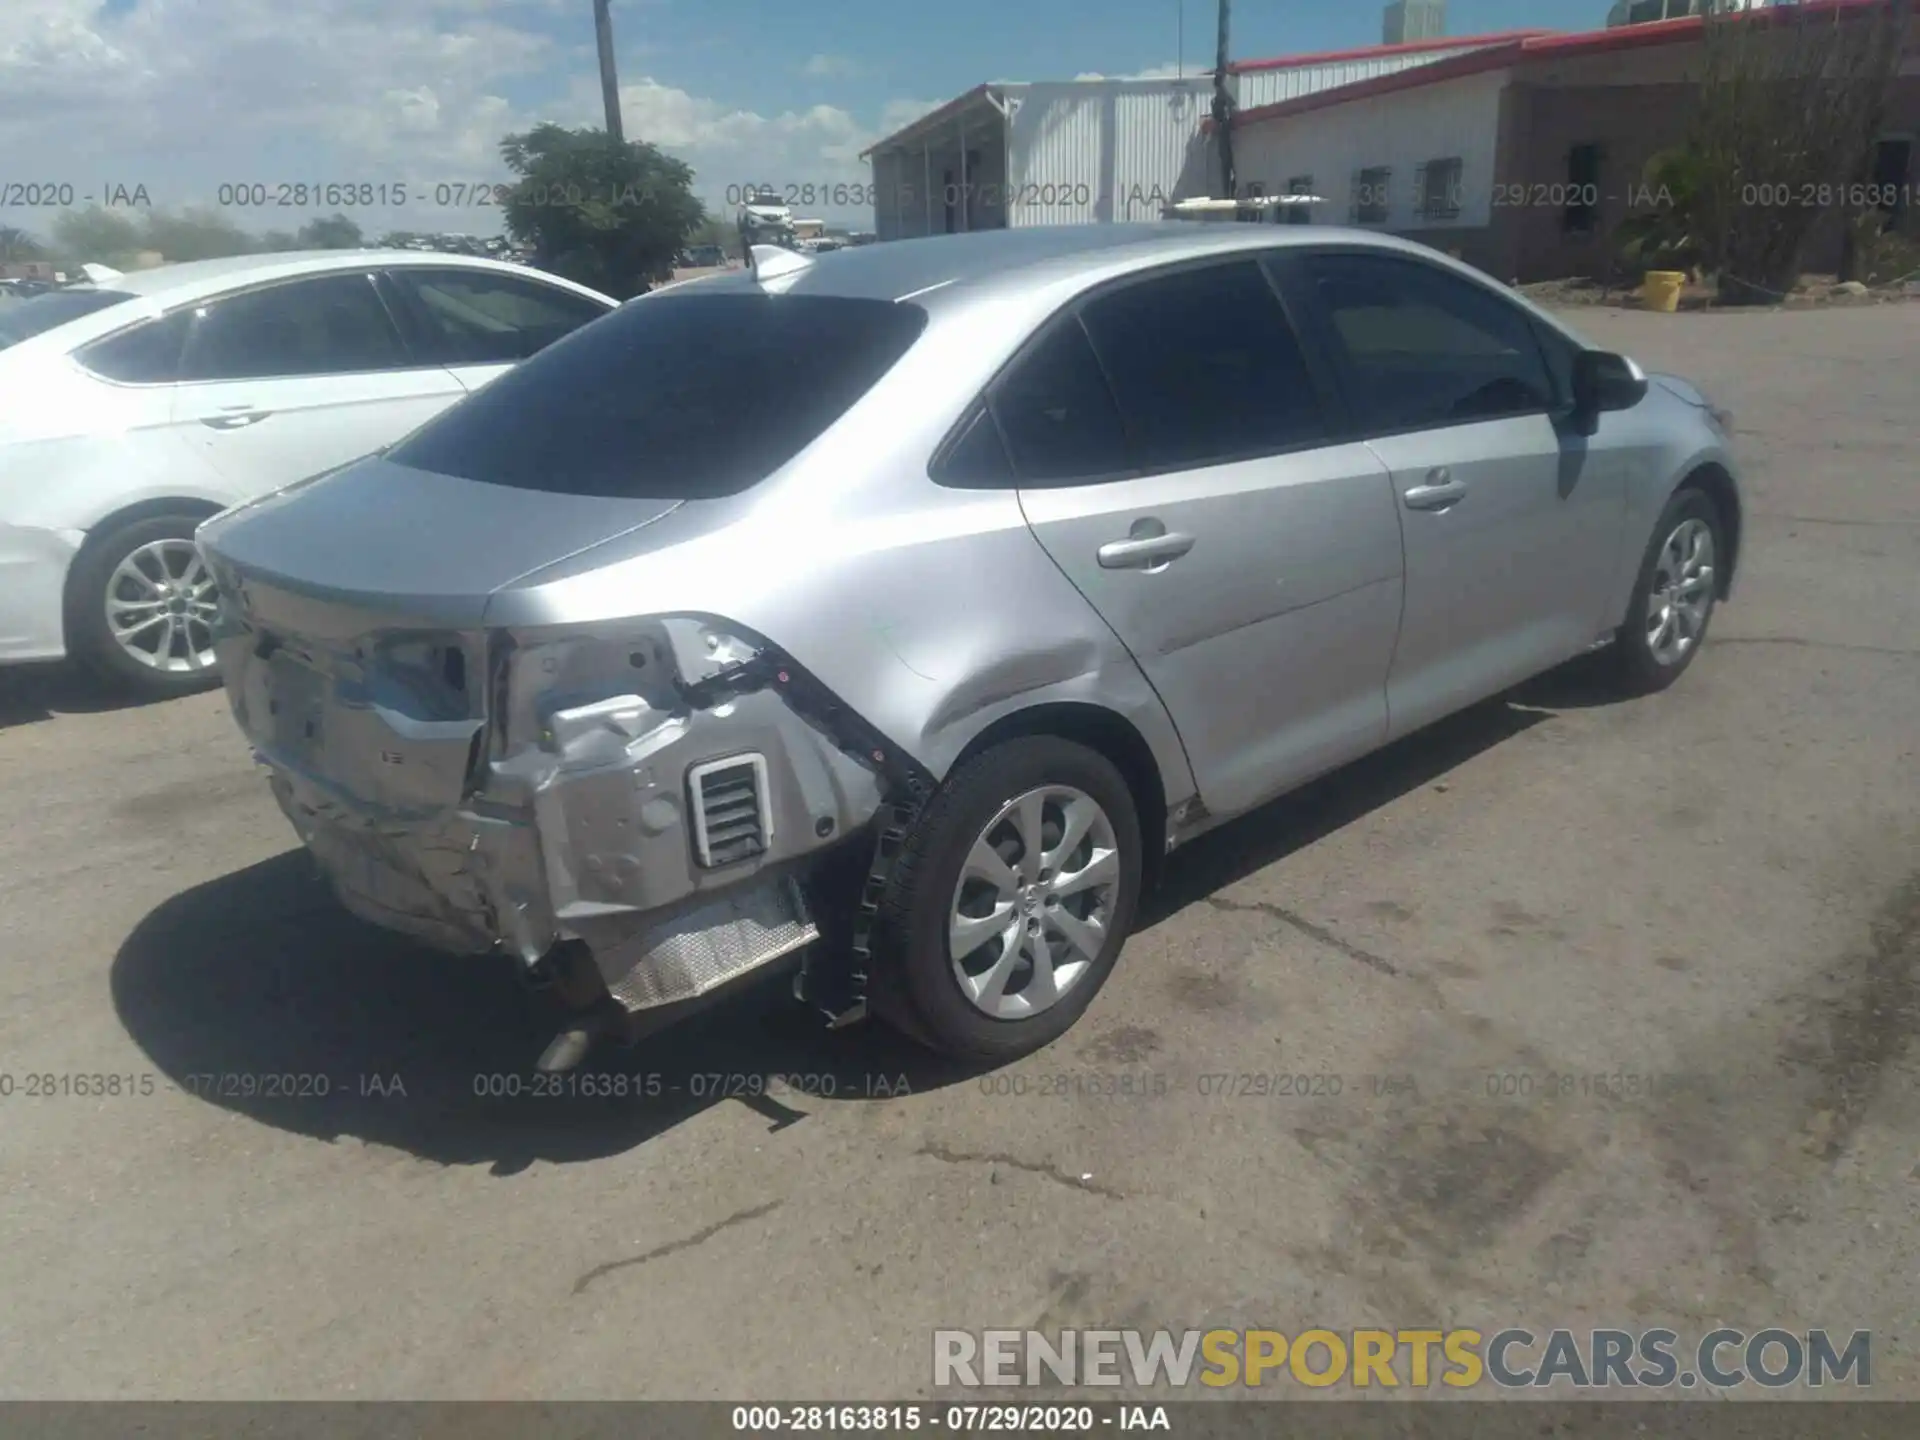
column 910, row 936
column 88, row 639
column 1638, row 670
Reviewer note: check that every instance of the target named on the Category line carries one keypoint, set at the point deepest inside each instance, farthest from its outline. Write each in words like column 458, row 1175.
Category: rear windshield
column 674, row 397
column 23, row 319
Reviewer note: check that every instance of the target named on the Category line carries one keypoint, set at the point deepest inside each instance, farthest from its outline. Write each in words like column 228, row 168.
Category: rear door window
column 327, row 325
column 975, row 458
column 1205, row 367
column 476, row 317
column 148, row 354
column 1057, row 413
column 674, row 397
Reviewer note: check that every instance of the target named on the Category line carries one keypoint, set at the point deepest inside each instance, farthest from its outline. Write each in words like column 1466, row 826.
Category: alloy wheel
column 1682, row 594
column 1034, row 903
column 161, row 605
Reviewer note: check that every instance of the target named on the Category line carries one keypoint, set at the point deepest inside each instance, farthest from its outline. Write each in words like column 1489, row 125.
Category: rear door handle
column 1438, row 492
column 237, row 418
column 1144, row 553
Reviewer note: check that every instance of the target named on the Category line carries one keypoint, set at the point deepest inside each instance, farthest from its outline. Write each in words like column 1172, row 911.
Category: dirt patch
column 1812, row 291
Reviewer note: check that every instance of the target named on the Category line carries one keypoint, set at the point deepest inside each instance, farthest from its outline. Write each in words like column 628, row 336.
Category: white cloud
column 1168, row 71
column 802, row 153
column 898, row 114
column 183, row 96
column 829, row 67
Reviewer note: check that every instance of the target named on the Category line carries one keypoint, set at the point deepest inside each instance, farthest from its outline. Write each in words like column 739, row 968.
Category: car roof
column 972, row 265
column 946, row 274
column 189, row 279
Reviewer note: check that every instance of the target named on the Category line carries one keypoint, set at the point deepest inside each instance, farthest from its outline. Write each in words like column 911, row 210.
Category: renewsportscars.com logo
column 1514, row 1358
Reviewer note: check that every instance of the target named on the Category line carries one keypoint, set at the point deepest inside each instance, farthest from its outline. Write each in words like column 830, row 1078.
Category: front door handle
column 237, row 418
column 1144, row 553
column 1437, row 492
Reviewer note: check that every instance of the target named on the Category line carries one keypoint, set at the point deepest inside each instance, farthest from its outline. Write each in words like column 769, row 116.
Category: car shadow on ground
column 1252, row 842
column 257, row 992
column 32, row 693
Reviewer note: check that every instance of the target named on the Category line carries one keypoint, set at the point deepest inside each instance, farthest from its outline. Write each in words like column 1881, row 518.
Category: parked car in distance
column 925, row 596
column 132, row 409
column 703, row 257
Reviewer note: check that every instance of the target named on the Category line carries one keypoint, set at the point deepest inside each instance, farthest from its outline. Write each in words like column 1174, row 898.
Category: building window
column 1582, row 213
column 1892, row 159
column 1372, row 195
column 1438, row 186
column 1644, row 12
column 1299, row 214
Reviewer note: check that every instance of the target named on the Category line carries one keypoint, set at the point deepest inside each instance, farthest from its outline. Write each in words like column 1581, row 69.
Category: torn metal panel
column 645, row 790
column 701, row 949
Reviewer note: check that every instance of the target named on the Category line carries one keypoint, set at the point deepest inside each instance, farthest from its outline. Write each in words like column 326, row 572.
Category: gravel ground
column 1718, row 888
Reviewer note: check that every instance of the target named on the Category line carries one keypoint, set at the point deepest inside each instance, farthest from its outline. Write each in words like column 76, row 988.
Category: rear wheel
column 1012, row 896
column 141, row 608
column 1674, row 596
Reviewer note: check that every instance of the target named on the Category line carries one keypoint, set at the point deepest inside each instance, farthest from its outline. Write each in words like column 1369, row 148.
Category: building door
column 1892, row 163
column 958, row 193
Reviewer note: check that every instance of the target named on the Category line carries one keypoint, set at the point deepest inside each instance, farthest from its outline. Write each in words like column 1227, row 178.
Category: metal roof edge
column 983, row 91
column 1541, row 44
column 1377, row 52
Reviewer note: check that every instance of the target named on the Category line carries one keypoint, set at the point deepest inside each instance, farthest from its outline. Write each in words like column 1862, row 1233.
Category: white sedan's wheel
column 141, row 608
column 161, row 606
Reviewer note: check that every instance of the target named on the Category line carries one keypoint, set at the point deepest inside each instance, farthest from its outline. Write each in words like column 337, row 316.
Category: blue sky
column 185, row 96
column 751, row 51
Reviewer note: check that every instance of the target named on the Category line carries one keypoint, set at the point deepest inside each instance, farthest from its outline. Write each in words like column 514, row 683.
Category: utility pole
column 609, row 81
column 1223, row 106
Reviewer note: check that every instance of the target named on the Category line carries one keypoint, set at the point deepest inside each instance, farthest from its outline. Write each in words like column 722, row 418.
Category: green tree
column 278, row 242
column 1791, row 100
column 605, row 212
column 195, row 234
column 715, row 231
column 96, row 236
column 334, row 232
column 17, row 244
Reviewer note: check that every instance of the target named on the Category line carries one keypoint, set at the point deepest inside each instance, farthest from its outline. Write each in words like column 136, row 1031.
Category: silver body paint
column 536, row 789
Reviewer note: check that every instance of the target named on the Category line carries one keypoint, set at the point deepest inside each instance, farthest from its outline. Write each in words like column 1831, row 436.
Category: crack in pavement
column 1308, row 928
column 699, row 1237
column 1824, row 520
column 1045, row 1172
column 1801, row 643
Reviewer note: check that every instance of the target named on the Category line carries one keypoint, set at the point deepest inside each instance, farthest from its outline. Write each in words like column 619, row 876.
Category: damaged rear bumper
column 654, row 791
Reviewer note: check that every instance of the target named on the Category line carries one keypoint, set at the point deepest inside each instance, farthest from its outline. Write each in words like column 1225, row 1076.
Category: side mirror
column 1603, row 381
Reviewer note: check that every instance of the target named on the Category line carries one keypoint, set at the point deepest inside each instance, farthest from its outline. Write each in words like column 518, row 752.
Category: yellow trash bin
column 1661, row 289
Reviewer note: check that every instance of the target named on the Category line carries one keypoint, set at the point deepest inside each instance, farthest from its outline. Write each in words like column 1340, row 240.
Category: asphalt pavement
column 298, row 1186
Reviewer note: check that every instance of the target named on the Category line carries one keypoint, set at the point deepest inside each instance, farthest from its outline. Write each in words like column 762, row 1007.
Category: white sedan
column 134, row 407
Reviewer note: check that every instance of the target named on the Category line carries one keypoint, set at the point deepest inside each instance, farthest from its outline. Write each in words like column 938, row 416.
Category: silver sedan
column 884, row 618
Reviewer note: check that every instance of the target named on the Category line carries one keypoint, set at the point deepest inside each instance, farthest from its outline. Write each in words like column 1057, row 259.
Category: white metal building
column 1268, row 82
column 1366, row 162
column 1067, row 152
